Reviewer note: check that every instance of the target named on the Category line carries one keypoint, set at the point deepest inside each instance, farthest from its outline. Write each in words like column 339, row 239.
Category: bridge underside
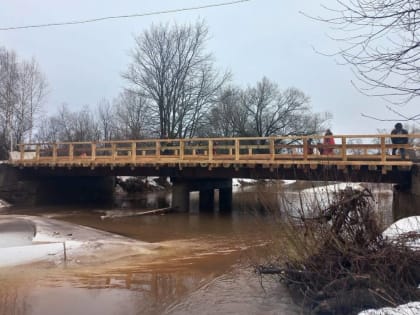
column 364, row 173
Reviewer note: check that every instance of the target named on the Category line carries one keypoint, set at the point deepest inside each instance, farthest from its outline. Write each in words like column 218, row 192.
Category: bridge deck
column 349, row 150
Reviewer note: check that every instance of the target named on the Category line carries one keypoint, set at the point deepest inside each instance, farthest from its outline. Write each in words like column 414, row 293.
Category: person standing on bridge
column 399, row 130
column 328, row 143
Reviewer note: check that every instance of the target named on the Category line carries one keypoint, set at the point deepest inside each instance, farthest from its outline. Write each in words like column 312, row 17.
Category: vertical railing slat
column 93, row 151
column 344, row 148
column 38, row 152
column 133, row 152
column 383, row 149
column 157, row 153
column 71, row 151
column 272, row 150
column 22, row 151
column 54, row 152
column 236, row 149
column 210, row 146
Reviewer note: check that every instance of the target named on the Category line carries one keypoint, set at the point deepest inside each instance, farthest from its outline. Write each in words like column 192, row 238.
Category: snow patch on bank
column 411, row 308
column 238, row 182
column 406, row 226
column 320, row 197
column 4, row 204
column 56, row 241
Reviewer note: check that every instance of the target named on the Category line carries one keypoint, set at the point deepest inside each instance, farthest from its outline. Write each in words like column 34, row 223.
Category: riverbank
column 60, row 242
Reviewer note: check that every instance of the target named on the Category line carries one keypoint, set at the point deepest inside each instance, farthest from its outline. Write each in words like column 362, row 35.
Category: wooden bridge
column 206, row 164
column 352, row 151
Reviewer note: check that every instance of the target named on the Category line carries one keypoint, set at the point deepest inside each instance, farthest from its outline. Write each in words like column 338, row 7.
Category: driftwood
column 128, row 213
column 157, row 211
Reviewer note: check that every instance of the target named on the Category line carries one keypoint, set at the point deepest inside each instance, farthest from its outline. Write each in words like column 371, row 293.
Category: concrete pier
column 206, row 200
column 183, row 186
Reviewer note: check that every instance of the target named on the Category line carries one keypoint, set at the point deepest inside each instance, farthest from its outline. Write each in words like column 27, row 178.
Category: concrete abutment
column 17, row 187
column 406, row 197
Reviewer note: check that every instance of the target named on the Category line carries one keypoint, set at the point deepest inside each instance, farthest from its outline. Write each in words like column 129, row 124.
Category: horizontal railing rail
column 347, row 149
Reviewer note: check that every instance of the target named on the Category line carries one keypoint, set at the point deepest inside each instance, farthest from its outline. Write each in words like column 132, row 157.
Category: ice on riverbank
column 56, row 240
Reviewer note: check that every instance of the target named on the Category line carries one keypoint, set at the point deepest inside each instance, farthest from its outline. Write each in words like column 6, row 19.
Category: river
column 204, row 265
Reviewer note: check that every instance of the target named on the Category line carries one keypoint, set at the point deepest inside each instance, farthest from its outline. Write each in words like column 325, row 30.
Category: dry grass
column 337, row 261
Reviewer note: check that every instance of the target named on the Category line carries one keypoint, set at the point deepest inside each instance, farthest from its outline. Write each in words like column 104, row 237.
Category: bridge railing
column 350, row 149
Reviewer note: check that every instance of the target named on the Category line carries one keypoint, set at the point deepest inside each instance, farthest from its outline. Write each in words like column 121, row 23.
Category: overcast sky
column 83, row 63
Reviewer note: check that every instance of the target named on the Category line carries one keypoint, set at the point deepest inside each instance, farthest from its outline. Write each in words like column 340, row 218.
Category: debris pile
column 350, row 266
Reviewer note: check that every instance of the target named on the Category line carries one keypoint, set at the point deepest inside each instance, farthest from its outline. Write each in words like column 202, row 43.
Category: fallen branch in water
column 158, row 211
column 128, row 213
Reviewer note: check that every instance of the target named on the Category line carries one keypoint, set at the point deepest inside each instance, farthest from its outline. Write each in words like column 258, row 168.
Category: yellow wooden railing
column 347, row 150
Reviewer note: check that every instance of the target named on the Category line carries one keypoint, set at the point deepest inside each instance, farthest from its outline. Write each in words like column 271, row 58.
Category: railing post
column 237, row 149
column 93, row 151
column 157, row 149
column 210, row 150
column 38, row 149
column 113, row 151
column 181, row 149
column 22, row 151
column 133, row 151
column 71, row 151
column 272, row 150
column 383, row 149
column 54, row 152
column 305, row 148
column 344, row 148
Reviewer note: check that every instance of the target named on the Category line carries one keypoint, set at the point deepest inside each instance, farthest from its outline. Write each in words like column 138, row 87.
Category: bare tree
column 273, row 112
column 106, row 121
column 381, row 41
column 263, row 110
column 171, row 68
column 9, row 77
column 31, row 92
column 226, row 118
column 70, row 126
column 23, row 89
column 134, row 118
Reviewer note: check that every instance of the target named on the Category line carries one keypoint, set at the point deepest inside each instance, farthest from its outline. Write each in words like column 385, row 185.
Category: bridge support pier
column 180, row 196
column 206, row 200
column 182, row 187
column 225, row 199
column 406, row 198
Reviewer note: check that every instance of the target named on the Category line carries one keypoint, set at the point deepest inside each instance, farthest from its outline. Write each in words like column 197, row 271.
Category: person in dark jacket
column 399, row 130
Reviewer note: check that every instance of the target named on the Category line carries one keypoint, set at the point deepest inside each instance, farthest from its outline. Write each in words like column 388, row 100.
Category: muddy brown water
column 206, row 267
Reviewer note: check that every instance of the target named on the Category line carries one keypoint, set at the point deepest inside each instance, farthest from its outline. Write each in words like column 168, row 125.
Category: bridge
column 207, row 163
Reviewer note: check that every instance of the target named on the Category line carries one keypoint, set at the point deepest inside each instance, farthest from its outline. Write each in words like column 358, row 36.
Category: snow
column 405, row 226
column 312, row 200
column 401, row 227
column 53, row 236
column 411, row 308
column 4, row 204
column 241, row 181
column 237, row 182
column 18, row 255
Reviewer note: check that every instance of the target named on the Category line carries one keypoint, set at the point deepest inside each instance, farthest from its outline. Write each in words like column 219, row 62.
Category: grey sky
column 259, row 38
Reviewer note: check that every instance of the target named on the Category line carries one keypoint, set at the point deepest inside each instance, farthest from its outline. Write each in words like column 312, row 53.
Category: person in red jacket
column 328, row 143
